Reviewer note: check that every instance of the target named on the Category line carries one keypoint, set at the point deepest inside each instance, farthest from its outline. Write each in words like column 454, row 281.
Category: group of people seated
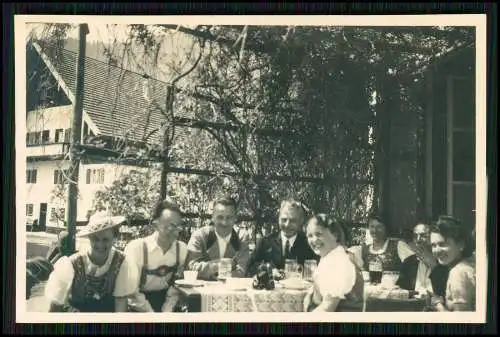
column 141, row 278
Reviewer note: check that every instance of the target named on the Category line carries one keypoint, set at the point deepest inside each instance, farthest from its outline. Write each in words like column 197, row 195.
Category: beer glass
column 375, row 271
column 225, row 268
column 309, row 268
column 292, row 269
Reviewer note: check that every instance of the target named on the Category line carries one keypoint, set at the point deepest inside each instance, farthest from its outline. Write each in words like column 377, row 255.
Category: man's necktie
column 287, row 249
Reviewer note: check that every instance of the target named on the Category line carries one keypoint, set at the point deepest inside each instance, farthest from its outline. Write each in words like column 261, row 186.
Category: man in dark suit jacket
column 289, row 243
column 421, row 271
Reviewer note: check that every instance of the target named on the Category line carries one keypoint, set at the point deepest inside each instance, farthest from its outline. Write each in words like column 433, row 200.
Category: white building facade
column 47, row 169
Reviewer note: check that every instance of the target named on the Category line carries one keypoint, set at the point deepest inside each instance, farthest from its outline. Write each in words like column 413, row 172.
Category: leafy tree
column 330, row 91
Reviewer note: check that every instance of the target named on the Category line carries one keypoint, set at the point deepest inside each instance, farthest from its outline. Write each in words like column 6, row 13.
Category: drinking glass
column 292, row 269
column 375, row 270
column 309, row 268
column 225, row 268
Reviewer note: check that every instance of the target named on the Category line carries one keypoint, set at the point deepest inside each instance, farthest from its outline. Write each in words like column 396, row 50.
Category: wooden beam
column 200, row 124
column 107, row 153
column 282, row 178
column 249, row 44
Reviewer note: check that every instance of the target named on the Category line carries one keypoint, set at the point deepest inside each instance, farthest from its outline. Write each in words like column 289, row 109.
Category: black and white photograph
column 243, row 168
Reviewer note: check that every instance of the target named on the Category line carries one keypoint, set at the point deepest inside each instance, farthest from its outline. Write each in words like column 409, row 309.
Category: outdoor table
column 216, row 297
column 378, row 299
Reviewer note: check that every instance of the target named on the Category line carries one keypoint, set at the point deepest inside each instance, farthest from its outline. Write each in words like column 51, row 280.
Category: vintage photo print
column 251, row 168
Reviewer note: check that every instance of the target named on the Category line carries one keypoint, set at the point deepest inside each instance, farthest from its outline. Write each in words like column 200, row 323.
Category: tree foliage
column 330, row 89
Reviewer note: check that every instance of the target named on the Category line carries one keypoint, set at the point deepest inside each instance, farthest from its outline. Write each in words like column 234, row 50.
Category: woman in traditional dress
column 95, row 280
column 343, row 290
column 450, row 244
column 387, row 253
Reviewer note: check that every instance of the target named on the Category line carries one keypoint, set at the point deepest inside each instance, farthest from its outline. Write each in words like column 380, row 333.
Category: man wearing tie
column 289, row 243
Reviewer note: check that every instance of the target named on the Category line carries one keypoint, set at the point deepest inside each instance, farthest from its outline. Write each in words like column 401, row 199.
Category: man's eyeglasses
column 169, row 225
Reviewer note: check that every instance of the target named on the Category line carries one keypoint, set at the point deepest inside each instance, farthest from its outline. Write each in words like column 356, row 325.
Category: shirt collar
column 290, row 239
column 223, row 238
column 92, row 266
column 151, row 242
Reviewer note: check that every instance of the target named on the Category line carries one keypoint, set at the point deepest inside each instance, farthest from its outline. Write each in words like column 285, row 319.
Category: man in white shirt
column 208, row 245
column 160, row 259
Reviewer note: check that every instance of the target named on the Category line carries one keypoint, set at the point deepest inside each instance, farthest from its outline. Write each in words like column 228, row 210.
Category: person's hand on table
column 278, row 274
column 213, row 268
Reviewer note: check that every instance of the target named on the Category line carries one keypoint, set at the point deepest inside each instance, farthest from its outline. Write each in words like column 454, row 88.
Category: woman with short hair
column 450, row 245
column 343, row 290
column 389, row 253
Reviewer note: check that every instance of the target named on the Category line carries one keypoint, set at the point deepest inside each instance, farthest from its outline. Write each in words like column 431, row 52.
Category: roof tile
column 114, row 98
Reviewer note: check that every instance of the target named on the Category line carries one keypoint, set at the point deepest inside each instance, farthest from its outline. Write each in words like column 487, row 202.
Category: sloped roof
column 114, row 98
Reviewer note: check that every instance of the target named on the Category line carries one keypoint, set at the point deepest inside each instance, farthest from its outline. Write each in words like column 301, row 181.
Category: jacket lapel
column 233, row 245
column 212, row 245
column 213, row 249
column 278, row 249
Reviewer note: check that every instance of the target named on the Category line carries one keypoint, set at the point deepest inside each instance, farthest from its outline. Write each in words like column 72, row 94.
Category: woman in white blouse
column 98, row 279
column 338, row 283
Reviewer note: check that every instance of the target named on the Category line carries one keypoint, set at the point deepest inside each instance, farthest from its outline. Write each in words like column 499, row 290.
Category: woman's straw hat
column 99, row 224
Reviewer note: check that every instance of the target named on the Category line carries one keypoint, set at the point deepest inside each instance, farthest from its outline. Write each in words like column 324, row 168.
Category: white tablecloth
column 218, row 298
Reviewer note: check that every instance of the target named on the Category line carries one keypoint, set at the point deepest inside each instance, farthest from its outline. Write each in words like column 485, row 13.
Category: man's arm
column 196, row 259
column 171, row 299
column 121, row 304
column 241, row 260
column 137, row 300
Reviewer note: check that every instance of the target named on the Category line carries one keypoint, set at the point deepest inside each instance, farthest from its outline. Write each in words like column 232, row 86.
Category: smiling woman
column 449, row 240
column 343, row 291
column 94, row 280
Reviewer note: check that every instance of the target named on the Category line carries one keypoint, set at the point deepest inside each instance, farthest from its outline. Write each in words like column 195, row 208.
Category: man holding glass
column 289, row 244
column 217, row 251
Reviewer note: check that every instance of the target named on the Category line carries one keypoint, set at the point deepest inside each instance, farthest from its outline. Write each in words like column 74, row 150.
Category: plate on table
column 295, row 284
column 189, row 284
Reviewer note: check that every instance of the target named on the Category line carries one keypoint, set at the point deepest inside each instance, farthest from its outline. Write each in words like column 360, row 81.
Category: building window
column 67, row 135
column 59, row 135
column 61, row 177
column 37, row 138
column 34, row 138
column 29, row 209
column 461, row 144
column 95, row 176
column 45, row 136
column 31, row 176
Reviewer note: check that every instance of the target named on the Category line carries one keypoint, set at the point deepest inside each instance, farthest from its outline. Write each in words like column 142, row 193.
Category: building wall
column 43, row 191
column 92, row 177
column 49, row 119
